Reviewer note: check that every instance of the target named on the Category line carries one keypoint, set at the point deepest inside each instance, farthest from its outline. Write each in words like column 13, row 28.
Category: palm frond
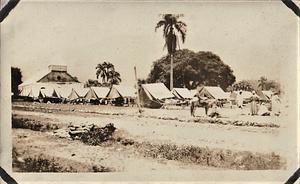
column 182, row 23
column 181, row 31
column 177, row 42
column 167, row 30
column 159, row 24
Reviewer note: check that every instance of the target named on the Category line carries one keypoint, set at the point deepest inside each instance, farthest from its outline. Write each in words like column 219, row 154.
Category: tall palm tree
column 172, row 27
column 114, row 77
column 103, row 69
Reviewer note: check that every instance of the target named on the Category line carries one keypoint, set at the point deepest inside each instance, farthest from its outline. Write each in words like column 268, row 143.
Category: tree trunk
column 171, row 72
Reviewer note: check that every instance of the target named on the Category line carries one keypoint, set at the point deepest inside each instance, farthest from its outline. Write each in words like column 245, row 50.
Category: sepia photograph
column 150, row 91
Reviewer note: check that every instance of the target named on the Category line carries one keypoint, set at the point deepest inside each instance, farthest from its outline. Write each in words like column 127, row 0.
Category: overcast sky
column 254, row 39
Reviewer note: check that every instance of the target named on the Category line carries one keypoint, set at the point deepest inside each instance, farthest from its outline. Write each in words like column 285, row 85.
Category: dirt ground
column 157, row 132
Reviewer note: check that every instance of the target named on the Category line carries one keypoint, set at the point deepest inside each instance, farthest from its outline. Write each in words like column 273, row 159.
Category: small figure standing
column 275, row 104
column 193, row 103
column 253, row 104
column 240, row 100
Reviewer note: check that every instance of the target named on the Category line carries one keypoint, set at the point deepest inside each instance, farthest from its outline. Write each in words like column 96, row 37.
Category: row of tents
column 152, row 95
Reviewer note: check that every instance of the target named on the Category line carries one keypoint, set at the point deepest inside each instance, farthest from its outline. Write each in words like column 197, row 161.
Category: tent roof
column 157, row 90
column 182, row 93
column 268, row 93
column 101, row 92
column 35, row 77
column 25, row 92
column 81, row 91
column 34, row 92
column 123, row 91
column 261, row 95
column 194, row 92
column 48, row 92
column 215, row 92
column 63, row 90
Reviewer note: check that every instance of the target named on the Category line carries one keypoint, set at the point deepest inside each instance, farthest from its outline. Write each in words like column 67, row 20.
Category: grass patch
column 44, row 163
column 27, row 123
column 240, row 160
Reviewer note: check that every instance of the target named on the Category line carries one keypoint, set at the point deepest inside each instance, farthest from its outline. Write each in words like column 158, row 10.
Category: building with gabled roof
column 56, row 77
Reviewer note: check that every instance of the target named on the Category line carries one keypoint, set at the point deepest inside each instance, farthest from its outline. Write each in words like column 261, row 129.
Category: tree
column 92, row 83
column 114, row 77
column 108, row 74
column 16, row 80
column 244, row 85
column 172, row 27
column 262, row 83
column 193, row 69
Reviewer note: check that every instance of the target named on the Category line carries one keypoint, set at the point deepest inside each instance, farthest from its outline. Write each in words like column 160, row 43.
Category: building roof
column 182, row 93
column 157, row 91
column 40, row 75
column 213, row 92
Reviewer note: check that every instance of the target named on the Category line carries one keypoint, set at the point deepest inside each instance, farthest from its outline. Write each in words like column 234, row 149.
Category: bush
column 96, row 135
column 32, row 124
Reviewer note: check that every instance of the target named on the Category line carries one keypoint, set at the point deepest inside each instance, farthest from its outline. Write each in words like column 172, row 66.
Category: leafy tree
column 92, row 83
column 16, row 80
column 265, row 84
column 108, row 74
column 244, row 85
column 172, row 27
column 192, row 69
column 258, row 85
column 262, row 83
column 113, row 77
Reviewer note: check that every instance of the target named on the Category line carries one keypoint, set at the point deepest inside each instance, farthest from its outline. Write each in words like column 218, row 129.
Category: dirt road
column 240, row 141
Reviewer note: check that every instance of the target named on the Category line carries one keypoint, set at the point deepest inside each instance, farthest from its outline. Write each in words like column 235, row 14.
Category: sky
column 254, row 38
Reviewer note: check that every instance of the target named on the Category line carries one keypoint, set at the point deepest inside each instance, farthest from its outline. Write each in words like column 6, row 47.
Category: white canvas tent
column 25, row 92
column 213, row 92
column 48, row 92
column 153, row 95
column 182, row 93
column 34, row 92
column 63, row 91
column 268, row 94
column 97, row 93
column 121, row 94
column 80, row 91
column 121, row 91
column 194, row 92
